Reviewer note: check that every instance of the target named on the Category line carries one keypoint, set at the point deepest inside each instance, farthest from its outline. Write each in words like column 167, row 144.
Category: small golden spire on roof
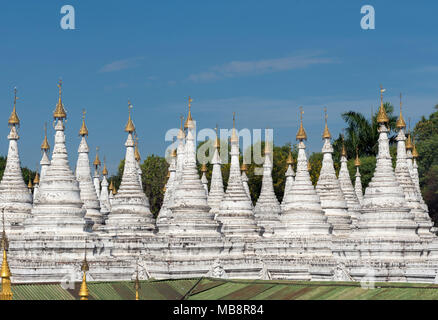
column 36, row 180
column 45, row 145
column 326, row 134
column 136, row 152
column 234, row 137
column 96, row 161
column 301, row 134
column 309, row 166
column 290, row 160
column 415, row 154
column 104, row 170
column 13, row 119
column 83, row 131
column 189, row 120
column 173, row 153
column 83, row 291
column 6, row 292
column 181, row 135
column 343, row 151
column 129, row 125
column 268, row 148
column 357, row 160
column 164, row 188
column 400, row 121
column 409, row 145
column 59, row 112
column 243, row 167
column 111, row 186
column 217, row 141
column 137, row 286
column 204, row 168
column 114, row 190
column 381, row 116
column 30, row 185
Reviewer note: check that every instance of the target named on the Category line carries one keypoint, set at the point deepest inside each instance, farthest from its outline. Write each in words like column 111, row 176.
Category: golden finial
column 104, row 170
column 357, row 161
column 96, row 161
column 301, row 134
column 30, row 185
column 409, row 145
column 381, row 116
column 59, row 112
column 243, row 167
column 164, row 188
column 6, row 292
column 173, row 153
column 13, row 119
column 326, row 134
column 268, row 148
column 129, row 125
column 36, row 180
column 114, row 190
column 83, row 131
column 137, row 286
column 83, row 291
column 204, row 168
column 309, row 166
column 343, row 151
column 45, row 145
column 234, row 137
column 189, row 120
column 217, row 141
column 136, row 152
column 168, row 174
column 111, row 186
column 181, row 135
column 415, row 154
column 400, row 121
column 290, row 160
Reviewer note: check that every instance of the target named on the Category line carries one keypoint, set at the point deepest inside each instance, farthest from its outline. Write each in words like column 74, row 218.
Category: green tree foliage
column 426, row 137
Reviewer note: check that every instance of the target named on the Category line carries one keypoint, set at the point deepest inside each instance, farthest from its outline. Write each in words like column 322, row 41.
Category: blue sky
column 261, row 59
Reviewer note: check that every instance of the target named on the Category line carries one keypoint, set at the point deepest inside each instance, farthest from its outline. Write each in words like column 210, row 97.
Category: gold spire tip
column 382, row 117
column 59, row 112
column 130, row 128
column 13, row 118
column 84, row 130
column 400, row 124
column 301, row 134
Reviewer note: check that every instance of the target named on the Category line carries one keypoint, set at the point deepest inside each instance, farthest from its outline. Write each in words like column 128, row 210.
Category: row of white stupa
column 331, row 232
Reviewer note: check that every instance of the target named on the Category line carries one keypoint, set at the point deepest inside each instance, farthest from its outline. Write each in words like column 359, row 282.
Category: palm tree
column 361, row 132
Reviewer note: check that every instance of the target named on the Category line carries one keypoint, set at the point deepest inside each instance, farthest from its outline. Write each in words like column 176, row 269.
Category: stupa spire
column 236, row 210
column 290, row 174
column 358, row 182
column 216, row 185
column 165, row 212
column 244, row 170
column 96, row 175
column 59, row 113
column 6, row 291
column 105, row 206
column 267, row 208
column 302, row 214
column 204, row 177
column 88, row 192
column 130, row 211
column 189, row 121
column 14, row 195
column 130, row 128
column 83, row 291
column 45, row 162
column 329, row 190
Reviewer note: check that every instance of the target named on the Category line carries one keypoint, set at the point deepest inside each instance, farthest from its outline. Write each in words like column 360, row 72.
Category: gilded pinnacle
column 326, row 134
column 96, row 161
column 83, row 131
column 104, row 170
column 243, row 167
column 30, row 185
column 129, row 125
column 400, row 121
column 357, row 160
column 59, row 112
column 301, row 134
column 382, row 116
column 409, row 145
column 234, row 137
column 13, row 119
column 36, row 180
column 290, row 160
column 45, row 145
column 189, row 120
column 204, row 168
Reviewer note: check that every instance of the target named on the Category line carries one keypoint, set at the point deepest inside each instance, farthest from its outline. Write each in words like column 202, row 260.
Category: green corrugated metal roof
column 216, row 289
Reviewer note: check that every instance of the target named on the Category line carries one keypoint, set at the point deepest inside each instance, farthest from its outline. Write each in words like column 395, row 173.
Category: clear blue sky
column 262, row 59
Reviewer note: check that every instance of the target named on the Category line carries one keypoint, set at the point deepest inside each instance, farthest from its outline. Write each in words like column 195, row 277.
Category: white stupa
column 329, row 190
column 36, row 184
column 83, row 175
column 96, row 176
column 204, row 178
column 130, row 213
column 236, row 211
column 348, row 190
column 105, row 206
column 358, row 181
column 302, row 214
column 267, row 208
column 290, row 174
column 15, row 199
column 58, row 208
column 169, row 190
column 216, row 185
